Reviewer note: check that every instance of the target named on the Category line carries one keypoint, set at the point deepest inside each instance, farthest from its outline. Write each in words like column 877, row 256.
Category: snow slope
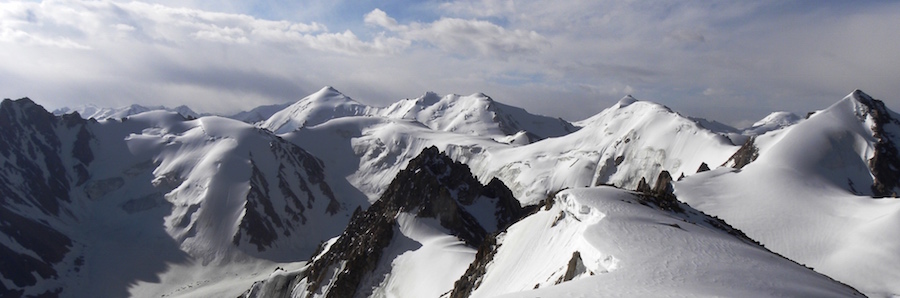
column 808, row 195
column 606, row 242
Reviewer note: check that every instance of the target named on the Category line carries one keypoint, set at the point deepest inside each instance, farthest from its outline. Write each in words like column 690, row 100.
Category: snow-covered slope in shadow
column 154, row 204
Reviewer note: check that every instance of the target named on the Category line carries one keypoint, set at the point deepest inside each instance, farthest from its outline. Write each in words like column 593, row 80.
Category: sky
column 729, row 61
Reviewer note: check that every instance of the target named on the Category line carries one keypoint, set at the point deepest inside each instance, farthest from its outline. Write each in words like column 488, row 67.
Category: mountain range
column 447, row 196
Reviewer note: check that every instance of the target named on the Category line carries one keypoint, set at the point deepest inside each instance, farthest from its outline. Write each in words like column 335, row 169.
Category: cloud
column 488, row 8
column 462, row 36
column 219, row 34
column 10, row 35
column 380, row 18
column 347, row 42
column 730, row 61
column 482, row 37
column 83, row 25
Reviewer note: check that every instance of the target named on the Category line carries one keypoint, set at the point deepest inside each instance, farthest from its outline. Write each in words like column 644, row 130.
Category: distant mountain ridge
column 100, row 113
column 475, row 114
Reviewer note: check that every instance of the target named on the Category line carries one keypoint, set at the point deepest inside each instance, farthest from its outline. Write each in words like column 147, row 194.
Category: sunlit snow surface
column 632, row 250
column 800, row 199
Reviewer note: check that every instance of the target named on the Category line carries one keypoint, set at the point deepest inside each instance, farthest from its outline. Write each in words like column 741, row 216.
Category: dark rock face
column 432, row 186
column 575, row 266
column 299, row 181
column 703, row 168
column 661, row 195
column 885, row 164
column 744, row 156
column 471, row 280
column 36, row 178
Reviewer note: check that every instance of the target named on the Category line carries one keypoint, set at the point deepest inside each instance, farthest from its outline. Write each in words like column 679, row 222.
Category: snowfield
column 608, row 244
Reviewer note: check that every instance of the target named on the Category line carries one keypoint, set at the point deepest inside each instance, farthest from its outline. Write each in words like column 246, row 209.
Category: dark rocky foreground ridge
column 432, row 186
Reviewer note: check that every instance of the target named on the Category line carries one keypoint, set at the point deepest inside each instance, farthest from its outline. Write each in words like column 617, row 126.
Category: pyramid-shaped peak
column 429, row 98
column 481, row 95
column 328, row 90
column 327, row 93
column 861, row 97
column 626, row 101
column 866, row 105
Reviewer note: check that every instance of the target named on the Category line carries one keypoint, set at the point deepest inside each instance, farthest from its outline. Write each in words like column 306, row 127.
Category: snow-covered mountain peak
column 326, row 104
column 865, row 106
column 328, row 92
column 627, row 108
column 625, row 101
column 777, row 118
column 475, row 114
column 481, row 96
column 429, row 98
column 772, row 122
column 480, row 115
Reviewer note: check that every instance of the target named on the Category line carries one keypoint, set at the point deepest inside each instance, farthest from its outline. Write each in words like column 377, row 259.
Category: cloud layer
column 732, row 62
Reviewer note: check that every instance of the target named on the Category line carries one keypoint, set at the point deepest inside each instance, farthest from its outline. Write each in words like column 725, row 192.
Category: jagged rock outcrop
column 300, row 181
column 432, row 186
column 703, row 168
column 885, row 162
column 743, row 156
column 662, row 194
column 473, row 277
